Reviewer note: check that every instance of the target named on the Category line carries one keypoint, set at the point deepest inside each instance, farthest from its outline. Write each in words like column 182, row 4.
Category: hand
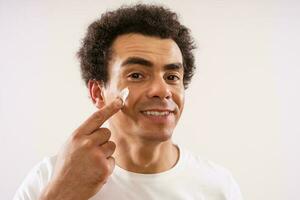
column 85, row 163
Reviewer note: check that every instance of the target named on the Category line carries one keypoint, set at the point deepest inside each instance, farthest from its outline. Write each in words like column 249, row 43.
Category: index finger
column 100, row 116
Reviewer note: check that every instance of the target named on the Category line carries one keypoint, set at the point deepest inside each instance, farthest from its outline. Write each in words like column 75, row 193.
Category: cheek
column 113, row 90
column 178, row 98
column 133, row 98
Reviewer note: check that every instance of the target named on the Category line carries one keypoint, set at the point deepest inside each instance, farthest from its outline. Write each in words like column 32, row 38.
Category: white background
column 242, row 108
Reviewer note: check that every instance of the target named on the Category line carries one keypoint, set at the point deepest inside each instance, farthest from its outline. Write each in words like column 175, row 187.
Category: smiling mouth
column 159, row 116
column 158, row 113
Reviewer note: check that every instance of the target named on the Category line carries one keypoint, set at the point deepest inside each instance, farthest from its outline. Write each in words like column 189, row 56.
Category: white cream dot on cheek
column 124, row 94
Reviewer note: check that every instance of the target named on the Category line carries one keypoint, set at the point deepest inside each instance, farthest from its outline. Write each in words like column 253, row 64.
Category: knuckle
column 98, row 158
column 98, row 155
column 112, row 161
column 111, row 145
column 108, row 148
column 87, row 143
column 105, row 132
column 74, row 139
column 106, row 169
column 102, row 179
column 75, row 135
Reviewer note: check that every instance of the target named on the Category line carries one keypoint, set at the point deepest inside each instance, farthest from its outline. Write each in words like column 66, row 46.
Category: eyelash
column 177, row 77
column 135, row 73
column 131, row 76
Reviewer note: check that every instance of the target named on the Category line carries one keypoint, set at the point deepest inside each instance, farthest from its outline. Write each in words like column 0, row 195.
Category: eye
column 135, row 76
column 173, row 77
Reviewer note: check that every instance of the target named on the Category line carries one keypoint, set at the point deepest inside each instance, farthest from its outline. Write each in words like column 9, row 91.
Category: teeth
column 156, row 113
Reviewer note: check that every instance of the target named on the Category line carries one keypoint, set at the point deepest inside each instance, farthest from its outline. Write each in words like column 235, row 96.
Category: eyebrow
column 147, row 63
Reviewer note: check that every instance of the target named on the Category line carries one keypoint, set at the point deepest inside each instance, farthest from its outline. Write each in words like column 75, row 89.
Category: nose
column 159, row 89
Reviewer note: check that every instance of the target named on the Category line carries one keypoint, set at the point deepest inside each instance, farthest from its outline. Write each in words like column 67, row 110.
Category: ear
column 96, row 93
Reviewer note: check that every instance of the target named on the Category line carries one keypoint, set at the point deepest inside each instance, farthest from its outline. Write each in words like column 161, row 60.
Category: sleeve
column 35, row 181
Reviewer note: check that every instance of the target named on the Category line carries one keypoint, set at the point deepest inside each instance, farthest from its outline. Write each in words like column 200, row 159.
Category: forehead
column 151, row 48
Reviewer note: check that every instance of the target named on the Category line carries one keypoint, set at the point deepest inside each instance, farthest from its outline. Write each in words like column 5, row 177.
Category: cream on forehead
column 124, row 94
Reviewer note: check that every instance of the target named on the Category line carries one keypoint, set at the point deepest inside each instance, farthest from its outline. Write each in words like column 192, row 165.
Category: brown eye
column 173, row 78
column 135, row 76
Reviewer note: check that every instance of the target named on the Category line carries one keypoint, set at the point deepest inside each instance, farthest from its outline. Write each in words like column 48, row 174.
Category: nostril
column 159, row 89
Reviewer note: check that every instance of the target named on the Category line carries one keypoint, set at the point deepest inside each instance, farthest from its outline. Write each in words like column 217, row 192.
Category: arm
column 82, row 166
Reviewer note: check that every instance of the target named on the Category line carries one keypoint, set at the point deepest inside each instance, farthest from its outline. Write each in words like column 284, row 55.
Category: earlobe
column 96, row 93
column 99, row 103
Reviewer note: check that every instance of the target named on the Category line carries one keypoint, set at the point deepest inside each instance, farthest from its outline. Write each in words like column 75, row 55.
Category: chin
column 156, row 136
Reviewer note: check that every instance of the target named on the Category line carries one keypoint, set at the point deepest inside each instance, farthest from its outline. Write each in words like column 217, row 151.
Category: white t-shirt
column 190, row 179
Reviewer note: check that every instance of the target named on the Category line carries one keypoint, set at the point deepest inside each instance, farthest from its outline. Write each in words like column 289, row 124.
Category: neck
column 145, row 157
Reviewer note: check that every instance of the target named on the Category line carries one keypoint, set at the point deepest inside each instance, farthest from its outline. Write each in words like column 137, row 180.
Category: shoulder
column 36, row 179
column 195, row 161
column 211, row 173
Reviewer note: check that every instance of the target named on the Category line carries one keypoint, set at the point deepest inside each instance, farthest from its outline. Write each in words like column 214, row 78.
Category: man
column 143, row 48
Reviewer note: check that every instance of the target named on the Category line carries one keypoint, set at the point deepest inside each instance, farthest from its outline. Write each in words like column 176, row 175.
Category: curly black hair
column 149, row 20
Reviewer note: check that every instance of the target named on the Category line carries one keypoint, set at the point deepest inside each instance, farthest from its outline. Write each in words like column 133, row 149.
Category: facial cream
column 124, row 94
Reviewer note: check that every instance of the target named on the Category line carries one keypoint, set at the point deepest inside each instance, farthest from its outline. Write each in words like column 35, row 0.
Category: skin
column 152, row 69
column 85, row 162
column 158, row 86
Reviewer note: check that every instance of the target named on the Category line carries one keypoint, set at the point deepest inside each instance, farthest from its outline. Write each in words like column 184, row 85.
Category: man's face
column 152, row 69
